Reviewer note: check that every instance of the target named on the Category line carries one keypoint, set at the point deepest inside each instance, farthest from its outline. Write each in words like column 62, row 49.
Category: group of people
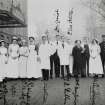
column 88, row 59
column 17, row 61
column 52, row 58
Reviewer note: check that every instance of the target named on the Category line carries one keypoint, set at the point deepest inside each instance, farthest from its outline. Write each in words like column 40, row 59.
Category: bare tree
column 96, row 5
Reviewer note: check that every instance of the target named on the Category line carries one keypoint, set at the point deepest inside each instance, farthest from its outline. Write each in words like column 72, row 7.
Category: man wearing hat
column 102, row 46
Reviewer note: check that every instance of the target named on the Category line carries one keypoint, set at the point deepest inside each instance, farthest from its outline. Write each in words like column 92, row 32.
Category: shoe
column 103, row 76
column 62, row 77
column 83, row 76
column 51, row 77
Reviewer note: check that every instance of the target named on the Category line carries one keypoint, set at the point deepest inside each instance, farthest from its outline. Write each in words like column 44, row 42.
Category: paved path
column 55, row 90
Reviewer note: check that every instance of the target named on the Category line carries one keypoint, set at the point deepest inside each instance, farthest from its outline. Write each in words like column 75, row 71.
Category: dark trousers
column 45, row 74
column 65, row 67
column 57, row 66
column 77, row 69
column 103, row 64
column 87, row 64
column 84, row 70
column 51, row 65
column 54, row 59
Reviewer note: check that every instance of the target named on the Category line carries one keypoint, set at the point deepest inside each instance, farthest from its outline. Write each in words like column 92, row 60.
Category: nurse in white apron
column 95, row 63
column 13, row 60
column 23, row 53
column 3, row 59
column 32, row 67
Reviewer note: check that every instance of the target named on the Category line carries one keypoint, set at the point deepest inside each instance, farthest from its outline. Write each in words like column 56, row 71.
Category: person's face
column 68, row 41
column 14, row 41
column 85, row 40
column 2, row 44
column 19, row 41
column 44, row 39
column 78, row 43
column 62, row 39
column 103, row 38
column 57, row 37
column 31, row 40
column 23, row 43
column 94, row 42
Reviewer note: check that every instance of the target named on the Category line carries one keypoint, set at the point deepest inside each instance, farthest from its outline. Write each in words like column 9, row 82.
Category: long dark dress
column 102, row 46
column 77, row 62
column 85, row 60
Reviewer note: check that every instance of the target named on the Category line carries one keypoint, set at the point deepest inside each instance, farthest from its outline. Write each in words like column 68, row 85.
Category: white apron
column 32, row 64
column 44, row 54
column 13, row 60
column 3, row 60
column 23, row 52
column 95, row 63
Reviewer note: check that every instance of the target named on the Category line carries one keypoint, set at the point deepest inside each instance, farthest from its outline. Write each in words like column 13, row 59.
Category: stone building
column 13, row 19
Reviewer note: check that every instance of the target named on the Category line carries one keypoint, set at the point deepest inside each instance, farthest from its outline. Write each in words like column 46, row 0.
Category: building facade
column 13, row 19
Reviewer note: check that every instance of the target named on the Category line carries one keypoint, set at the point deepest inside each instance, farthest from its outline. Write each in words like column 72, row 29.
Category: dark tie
column 63, row 45
column 56, row 49
column 57, row 42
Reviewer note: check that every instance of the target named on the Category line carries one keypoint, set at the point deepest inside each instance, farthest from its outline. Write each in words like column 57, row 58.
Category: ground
column 32, row 92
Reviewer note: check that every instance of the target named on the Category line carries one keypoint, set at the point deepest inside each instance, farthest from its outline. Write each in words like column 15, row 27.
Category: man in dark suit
column 77, row 59
column 85, row 56
column 102, row 46
column 54, row 59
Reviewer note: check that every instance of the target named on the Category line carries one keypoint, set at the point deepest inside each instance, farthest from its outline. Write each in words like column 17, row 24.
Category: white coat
column 64, row 54
column 44, row 53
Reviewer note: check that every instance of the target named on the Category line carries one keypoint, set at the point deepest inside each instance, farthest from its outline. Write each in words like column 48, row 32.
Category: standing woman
column 23, row 53
column 3, row 60
column 77, row 59
column 13, row 51
column 32, row 71
column 95, row 64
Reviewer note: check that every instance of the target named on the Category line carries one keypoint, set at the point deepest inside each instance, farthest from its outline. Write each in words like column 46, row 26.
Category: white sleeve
column 9, row 50
column 99, row 49
column 0, row 51
column 60, row 50
column 90, row 50
column 18, row 50
column 39, row 52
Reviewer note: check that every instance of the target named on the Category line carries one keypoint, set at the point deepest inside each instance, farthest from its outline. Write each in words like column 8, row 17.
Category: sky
column 42, row 16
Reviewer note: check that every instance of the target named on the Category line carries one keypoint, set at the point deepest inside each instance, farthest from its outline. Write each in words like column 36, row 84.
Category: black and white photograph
column 52, row 52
